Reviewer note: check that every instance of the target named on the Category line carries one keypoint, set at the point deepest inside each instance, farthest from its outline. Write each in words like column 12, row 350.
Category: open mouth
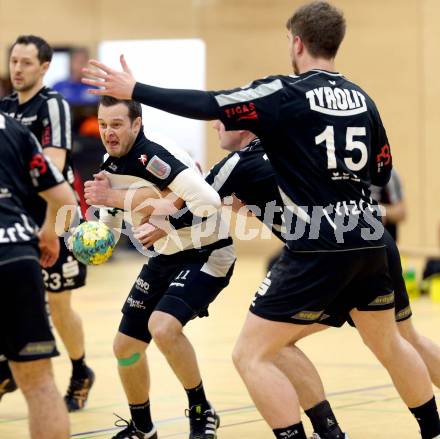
column 112, row 143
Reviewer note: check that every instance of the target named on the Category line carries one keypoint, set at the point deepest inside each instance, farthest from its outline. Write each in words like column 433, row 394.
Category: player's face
column 25, row 67
column 229, row 140
column 118, row 133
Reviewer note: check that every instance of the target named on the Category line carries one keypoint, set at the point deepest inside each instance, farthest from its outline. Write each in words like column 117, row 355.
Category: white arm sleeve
column 201, row 199
column 113, row 222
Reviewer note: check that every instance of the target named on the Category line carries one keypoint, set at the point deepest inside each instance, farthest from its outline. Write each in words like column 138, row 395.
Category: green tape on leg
column 124, row 362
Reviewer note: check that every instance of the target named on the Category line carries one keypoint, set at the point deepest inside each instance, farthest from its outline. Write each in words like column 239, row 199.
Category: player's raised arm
column 241, row 108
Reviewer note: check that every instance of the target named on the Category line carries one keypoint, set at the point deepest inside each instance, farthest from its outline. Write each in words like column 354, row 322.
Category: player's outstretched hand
column 49, row 248
column 120, row 85
column 96, row 192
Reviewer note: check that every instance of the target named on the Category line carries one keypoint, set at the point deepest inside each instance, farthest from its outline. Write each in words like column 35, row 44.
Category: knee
column 32, row 377
column 164, row 330
column 59, row 304
column 122, row 348
column 383, row 345
column 408, row 332
column 242, row 358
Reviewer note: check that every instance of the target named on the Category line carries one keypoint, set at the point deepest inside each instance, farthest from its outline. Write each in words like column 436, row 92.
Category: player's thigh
column 32, row 374
column 371, row 289
column 263, row 339
column 300, row 287
column 147, row 290
column 196, row 285
column 376, row 328
column 66, row 274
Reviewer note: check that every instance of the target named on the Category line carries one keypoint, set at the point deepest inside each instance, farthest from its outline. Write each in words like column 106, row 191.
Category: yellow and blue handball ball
column 92, row 243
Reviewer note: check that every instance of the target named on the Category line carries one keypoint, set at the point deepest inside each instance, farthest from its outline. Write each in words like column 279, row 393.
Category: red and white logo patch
column 159, row 168
column 143, row 159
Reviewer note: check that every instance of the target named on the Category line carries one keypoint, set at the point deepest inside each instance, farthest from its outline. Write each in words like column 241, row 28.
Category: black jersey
column 249, row 176
column 325, row 140
column 47, row 115
column 148, row 161
column 24, row 170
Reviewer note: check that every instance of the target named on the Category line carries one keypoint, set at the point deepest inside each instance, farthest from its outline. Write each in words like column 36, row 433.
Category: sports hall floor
column 360, row 391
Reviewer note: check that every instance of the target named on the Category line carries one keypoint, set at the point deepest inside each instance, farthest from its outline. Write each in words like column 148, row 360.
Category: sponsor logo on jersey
column 5, row 193
column 142, row 285
column 159, row 168
column 143, row 159
column 336, row 101
column 384, row 156
column 387, row 299
column 133, row 303
column 242, row 111
column 37, row 167
column 308, row 315
column 45, row 138
column 70, row 268
column 38, row 347
column 289, row 434
column 28, row 120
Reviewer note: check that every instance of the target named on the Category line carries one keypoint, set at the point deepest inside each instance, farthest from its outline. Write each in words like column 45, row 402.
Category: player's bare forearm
column 57, row 156
column 148, row 201
column 395, row 213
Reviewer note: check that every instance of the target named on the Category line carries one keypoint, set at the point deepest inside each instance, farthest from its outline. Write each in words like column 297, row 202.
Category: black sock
column 295, row 431
column 79, row 368
column 428, row 419
column 324, row 421
column 196, row 396
column 141, row 416
column 5, row 370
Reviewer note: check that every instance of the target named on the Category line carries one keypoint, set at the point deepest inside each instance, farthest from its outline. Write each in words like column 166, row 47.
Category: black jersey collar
column 254, row 143
column 32, row 98
column 327, row 72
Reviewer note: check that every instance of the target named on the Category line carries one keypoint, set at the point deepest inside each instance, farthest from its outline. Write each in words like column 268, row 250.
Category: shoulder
column 9, row 101
column 13, row 97
column 14, row 129
column 52, row 97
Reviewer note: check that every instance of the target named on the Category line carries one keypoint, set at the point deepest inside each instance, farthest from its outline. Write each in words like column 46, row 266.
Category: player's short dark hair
column 320, row 26
column 134, row 107
column 45, row 52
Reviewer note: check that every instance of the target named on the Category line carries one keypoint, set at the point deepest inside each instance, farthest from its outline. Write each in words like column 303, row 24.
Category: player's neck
column 317, row 64
column 27, row 95
column 246, row 140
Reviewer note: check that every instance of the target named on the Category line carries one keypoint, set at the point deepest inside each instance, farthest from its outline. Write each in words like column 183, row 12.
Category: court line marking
column 95, row 433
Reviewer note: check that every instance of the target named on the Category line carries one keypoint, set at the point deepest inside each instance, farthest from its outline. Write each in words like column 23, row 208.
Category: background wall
column 391, row 49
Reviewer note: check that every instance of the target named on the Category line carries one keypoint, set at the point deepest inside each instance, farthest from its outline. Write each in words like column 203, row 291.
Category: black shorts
column 302, row 285
column 25, row 333
column 336, row 318
column 66, row 274
column 182, row 285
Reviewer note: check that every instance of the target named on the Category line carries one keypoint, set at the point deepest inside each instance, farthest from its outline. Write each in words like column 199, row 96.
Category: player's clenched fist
column 97, row 192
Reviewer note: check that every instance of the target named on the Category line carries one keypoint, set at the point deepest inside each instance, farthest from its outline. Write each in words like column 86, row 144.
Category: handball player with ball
column 192, row 264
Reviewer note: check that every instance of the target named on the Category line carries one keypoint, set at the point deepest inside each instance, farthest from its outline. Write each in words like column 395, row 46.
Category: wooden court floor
column 360, row 391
